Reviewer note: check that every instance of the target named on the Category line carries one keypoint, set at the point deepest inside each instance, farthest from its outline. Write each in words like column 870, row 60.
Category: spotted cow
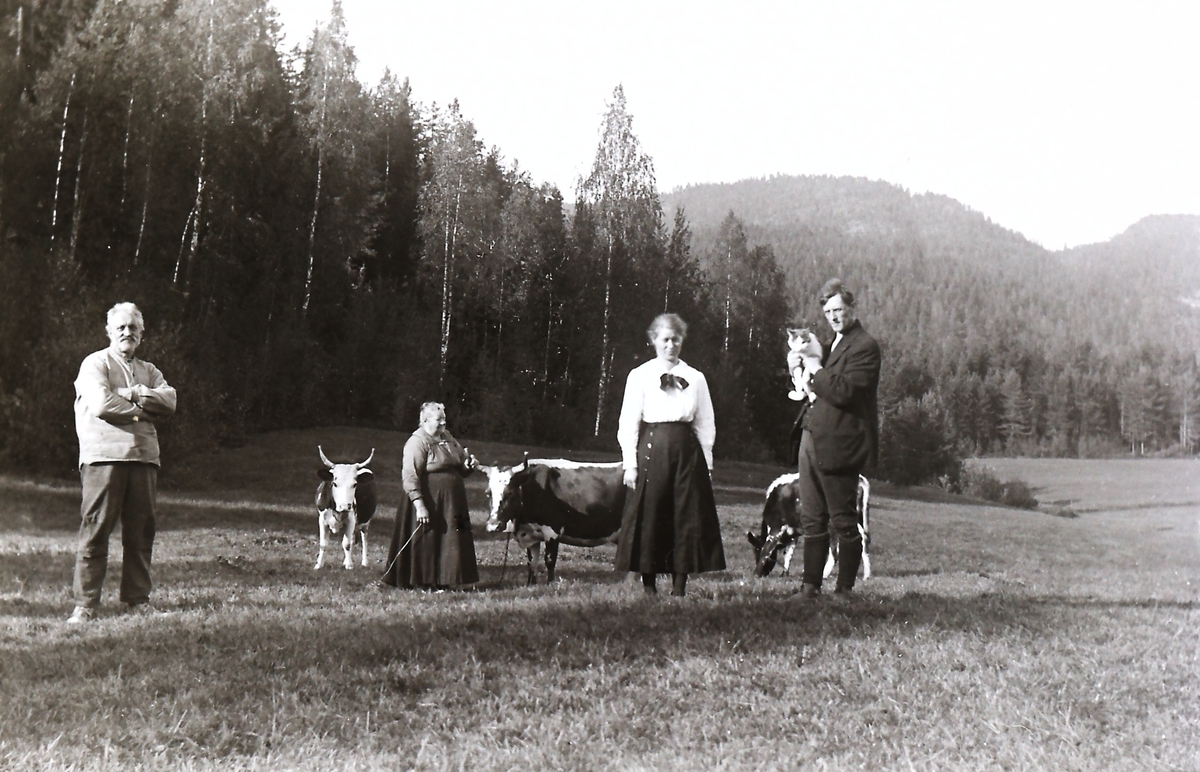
column 555, row 501
column 780, row 529
column 346, row 503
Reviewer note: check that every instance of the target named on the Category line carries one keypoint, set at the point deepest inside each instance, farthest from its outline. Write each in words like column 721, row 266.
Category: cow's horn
column 360, row 466
column 328, row 463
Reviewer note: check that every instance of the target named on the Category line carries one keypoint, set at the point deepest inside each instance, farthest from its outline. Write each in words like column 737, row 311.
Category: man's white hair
column 126, row 308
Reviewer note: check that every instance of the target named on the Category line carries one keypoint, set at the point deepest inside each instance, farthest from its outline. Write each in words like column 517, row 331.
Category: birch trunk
column 546, row 350
column 125, row 151
column 183, row 239
column 500, row 324
column 728, row 296
column 62, row 143
column 312, row 231
column 602, row 387
column 137, row 250
column 449, row 245
column 312, row 226
column 77, row 205
column 198, row 207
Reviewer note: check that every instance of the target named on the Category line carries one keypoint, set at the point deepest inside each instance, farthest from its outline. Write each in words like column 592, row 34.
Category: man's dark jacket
column 844, row 421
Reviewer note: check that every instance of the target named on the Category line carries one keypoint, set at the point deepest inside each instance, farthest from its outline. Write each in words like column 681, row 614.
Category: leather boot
column 648, row 584
column 849, row 559
column 678, row 585
column 816, row 551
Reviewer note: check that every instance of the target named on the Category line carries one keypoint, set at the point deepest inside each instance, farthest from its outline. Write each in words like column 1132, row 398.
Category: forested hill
column 962, row 299
column 929, row 257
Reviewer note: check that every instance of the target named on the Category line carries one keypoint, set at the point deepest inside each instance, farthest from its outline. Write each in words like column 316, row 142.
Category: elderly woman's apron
column 442, row 554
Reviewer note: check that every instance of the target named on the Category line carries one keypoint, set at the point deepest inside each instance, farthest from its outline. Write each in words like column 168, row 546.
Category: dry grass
column 989, row 639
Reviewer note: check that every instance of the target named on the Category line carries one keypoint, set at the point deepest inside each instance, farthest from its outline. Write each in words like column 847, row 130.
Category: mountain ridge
column 880, row 237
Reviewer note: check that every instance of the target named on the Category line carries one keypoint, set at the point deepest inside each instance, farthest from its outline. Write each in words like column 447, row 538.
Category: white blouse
column 646, row 401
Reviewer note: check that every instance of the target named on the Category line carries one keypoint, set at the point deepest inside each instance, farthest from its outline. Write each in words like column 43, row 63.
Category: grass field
column 989, row 638
column 1107, row 484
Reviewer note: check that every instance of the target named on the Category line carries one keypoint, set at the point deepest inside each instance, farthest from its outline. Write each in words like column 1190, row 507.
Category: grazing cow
column 781, row 527
column 345, row 505
column 553, row 501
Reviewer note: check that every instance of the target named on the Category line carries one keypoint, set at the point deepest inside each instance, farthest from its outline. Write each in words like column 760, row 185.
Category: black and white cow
column 345, row 505
column 780, row 528
column 555, row 501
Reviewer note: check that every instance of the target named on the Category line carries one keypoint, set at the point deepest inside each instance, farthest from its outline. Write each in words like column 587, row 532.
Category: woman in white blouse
column 666, row 432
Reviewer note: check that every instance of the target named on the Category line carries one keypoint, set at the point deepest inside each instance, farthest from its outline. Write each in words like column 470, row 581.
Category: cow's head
column 343, row 480
column 767, row 546
column 504, row 495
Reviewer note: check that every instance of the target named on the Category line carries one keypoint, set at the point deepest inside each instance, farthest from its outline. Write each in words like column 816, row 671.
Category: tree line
column 309, row 250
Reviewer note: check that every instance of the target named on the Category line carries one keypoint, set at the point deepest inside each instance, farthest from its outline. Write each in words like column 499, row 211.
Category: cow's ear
column 325, row 473
column 364, row 473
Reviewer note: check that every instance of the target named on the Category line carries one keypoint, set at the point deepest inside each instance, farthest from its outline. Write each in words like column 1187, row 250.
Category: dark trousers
column 828, row 503
column 120, row 491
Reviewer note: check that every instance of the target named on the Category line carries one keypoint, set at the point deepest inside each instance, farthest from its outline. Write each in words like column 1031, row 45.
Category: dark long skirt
column 670, row 521
column 442, row 554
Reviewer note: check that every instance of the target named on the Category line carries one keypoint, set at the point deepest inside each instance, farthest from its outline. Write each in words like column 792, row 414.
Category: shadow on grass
column 564, row 629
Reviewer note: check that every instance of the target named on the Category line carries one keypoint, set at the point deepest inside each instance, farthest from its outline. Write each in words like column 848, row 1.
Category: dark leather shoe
column 809, row 591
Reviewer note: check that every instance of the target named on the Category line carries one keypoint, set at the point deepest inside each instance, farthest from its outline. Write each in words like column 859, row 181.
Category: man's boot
column 849, row 559
column 816, row 550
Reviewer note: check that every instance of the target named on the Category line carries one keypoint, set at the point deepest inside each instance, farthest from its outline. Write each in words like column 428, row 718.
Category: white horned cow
column 780, row 529
column 346, row 502
column 555, row 501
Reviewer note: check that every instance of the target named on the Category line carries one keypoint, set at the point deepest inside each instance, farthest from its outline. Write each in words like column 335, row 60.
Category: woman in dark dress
column 441, row 552
column 666, row 432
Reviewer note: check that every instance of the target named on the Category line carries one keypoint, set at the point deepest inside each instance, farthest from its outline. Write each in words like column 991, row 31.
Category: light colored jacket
column 112, row 427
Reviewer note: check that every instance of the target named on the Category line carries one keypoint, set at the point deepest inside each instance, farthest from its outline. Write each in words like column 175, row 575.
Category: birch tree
column 334, row 115
column 450, row 221
column 729, row 256
column 622, row 196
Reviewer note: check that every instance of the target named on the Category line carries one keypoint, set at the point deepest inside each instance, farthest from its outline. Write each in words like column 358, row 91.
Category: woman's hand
column 630, row 478
column 422, row 512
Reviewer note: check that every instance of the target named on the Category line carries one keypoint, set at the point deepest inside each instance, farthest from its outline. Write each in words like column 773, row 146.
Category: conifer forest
column 312, row 250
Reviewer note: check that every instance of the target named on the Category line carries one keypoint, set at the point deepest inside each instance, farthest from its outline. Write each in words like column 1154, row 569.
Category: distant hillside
column 1150, row 272
column 1011, row 348
column 929, row 256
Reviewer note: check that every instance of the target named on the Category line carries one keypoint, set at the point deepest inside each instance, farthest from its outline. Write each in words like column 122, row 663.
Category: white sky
column 1065, row 121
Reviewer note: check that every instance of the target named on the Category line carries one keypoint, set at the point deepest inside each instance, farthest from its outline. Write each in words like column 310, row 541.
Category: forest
column 311, row 250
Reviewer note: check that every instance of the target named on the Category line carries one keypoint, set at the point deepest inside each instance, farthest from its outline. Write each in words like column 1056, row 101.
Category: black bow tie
column 669, row 380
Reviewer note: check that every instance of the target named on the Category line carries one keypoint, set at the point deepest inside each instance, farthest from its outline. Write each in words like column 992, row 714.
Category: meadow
column 988, row 638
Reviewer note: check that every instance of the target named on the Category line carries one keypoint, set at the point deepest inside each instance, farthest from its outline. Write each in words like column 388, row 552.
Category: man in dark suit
column 836, row 438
